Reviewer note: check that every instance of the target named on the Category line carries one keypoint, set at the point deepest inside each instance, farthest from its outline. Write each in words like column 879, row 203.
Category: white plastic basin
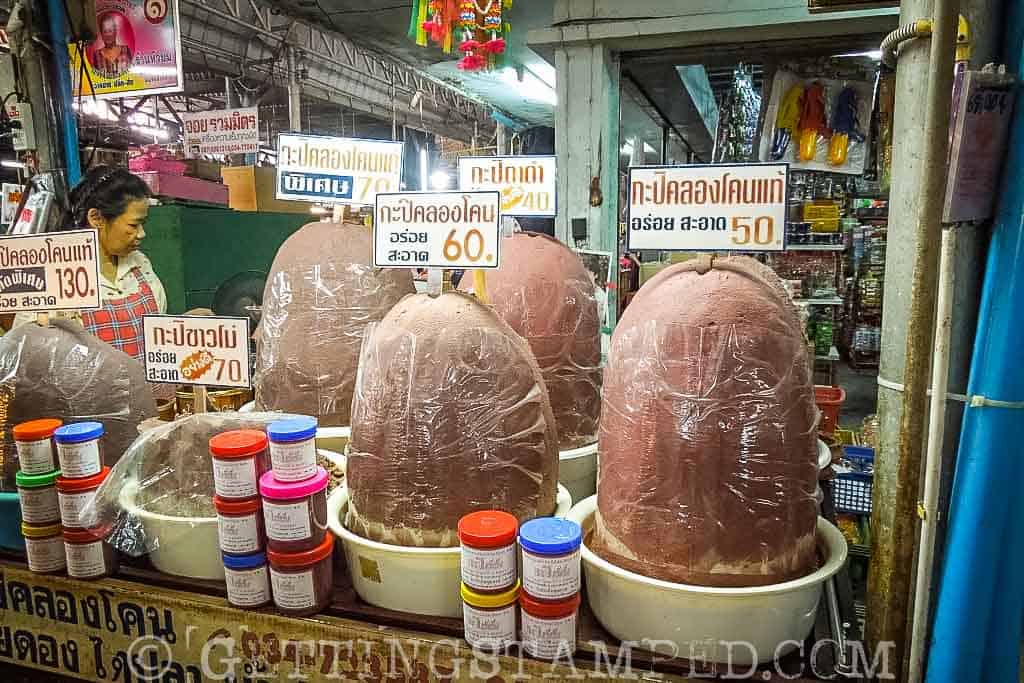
column 403, row 578
column 329, row 438
column 741, row 625
column 577, row 471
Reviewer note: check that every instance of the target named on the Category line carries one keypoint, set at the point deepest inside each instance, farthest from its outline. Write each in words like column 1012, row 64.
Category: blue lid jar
column 80, row 432
column 241, row 562
column 292, row 430
column 550, row 536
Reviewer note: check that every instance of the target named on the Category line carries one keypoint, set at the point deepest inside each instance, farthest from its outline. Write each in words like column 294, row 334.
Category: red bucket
column 830, row 402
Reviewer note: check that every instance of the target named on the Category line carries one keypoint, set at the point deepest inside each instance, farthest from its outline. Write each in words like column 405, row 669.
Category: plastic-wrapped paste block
column 450, row 417
column 708, row 443
column 63, row 372
column 322, row 292
column 543, row 291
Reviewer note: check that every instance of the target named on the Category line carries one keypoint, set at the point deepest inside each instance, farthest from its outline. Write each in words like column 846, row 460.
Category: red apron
column 119, row 321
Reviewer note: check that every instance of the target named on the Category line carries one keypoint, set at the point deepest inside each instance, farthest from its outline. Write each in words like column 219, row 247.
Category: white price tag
column 54, row 271
column 197, row 350
column 437, row 230
column 723, row 207
column 313, row 168
column 528, row 184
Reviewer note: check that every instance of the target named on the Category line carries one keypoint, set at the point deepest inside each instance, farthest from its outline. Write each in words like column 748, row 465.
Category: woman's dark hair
column 107, row 189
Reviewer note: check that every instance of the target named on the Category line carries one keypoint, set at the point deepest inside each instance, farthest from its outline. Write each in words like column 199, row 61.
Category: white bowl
column 741, row 625
column 330, row 438
column 404, row 578
column 577, row 471
column 824, row 455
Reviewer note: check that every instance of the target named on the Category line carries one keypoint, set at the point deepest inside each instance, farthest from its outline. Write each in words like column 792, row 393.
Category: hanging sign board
column 330, row 170
column 204, row 351
column 11, row 200
column 437, row 230
column 721, row 207
column 978, row 146
column 137, row 51
column 526, row 183
column 56, row 271
column 225, row 131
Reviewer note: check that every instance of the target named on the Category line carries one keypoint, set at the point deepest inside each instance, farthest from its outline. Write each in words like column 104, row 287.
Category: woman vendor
column 116, row 203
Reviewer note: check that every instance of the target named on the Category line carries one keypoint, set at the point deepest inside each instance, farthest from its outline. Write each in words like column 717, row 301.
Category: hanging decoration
column 477, row 28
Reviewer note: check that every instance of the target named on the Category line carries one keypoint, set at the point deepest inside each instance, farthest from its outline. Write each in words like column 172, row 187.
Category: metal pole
column 500, row 135
column 62, row 68
column 294, row 92
column 919, row 176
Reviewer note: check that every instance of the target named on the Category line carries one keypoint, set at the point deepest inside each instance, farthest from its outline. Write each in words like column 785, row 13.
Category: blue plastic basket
column 851, row 491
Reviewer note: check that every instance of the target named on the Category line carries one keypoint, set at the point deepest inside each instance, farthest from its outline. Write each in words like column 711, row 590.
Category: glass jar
column 293, row 448
column 34, row 441
column 44, row 547
column 488, row 554
column 248, row 580
column 295, row 513
column 239, row 526
column 89, row 556
column 490, row 618
column 551, row 558
column 37, row 494
column 78, row 449
column 74, row 495
column 549, row 628
column 302, row 583
column 239, row 460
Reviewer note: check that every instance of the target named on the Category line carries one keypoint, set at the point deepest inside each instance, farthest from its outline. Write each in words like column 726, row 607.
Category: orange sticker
column 196, row 365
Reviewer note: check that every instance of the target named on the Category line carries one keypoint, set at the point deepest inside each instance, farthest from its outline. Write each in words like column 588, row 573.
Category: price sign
column 312, row 168
column 722, row 207
column 202, row 351
column 526, row 183
column 56, row 271
column 437, row 230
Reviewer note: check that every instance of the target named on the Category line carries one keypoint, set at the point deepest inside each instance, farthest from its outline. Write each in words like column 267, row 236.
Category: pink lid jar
column 295, row 513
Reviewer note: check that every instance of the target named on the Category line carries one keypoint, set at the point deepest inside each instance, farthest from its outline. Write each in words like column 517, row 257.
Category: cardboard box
column 204, row 170
column 253, row 188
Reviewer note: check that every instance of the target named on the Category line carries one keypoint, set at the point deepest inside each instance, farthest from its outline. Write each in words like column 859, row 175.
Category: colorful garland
column 480, row 27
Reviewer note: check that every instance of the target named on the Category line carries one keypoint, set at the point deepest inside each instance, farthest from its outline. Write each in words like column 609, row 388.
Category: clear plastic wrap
column 450, row 416
column 322, row 292
column 708, row 447
column 161, row 491
column 61, row 371
column 544, row 292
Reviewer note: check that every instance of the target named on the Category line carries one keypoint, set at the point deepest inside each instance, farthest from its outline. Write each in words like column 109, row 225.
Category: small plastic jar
column 89, row 557
column 239, row 460
column 549, row 628
column 44, row 547
column 293, row 448
column 248, row 580
column 490, row 618
column 488, row 541
column 37, row 494
column 295, row 513
column 551, row 558
column 34, row 441
column 78, row 449
column 74, row 495
column 302, row 583
column 239, row 526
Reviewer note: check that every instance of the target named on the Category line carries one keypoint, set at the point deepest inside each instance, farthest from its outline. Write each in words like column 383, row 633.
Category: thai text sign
column 197, row 350
column 336, row 170
column 225, row 131
column 526, row 183
column 437, row 230
column 723, row 207
column 56, row 271
column 137, row 52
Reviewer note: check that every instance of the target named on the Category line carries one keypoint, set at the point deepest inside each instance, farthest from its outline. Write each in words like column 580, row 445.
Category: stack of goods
column 737, row 125
column 548, row 596
column 37, row 494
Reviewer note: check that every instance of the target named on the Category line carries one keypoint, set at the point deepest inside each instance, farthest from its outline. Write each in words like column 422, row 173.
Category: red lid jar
column 549, row 628
column 88, row 555
column 302, row 583
column 239, row 526
column 295, row 513
column 37, row 453
column 488, row 541
column 74, row 495
column 239, row 460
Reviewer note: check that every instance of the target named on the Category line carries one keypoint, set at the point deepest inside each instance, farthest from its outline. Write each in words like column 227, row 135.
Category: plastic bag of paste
column 322, row 292
column 161, row 492
column 450, row 416
column 61, row 371
column 543, row 291
column 707, row 453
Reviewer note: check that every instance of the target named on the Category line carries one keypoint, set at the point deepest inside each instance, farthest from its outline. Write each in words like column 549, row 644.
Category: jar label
column 239, row 535
column 86, row 560
column 293, row 591
column 489, row 569
column 36, row 457
column 549, row 638
column 71, row 506
column 248, row 587
column 45, row 554
column 551, row 578
column 489, row 629
column 235, row 478
column 288, row 522
column 79, row 460
column 39, row 506
column 293, row 461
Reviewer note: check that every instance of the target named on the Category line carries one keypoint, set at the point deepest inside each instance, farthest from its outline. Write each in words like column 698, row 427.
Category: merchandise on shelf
column 738, row 117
